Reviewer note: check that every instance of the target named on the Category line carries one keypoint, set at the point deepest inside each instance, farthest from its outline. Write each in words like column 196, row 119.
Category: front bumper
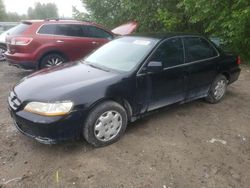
column 48, row 130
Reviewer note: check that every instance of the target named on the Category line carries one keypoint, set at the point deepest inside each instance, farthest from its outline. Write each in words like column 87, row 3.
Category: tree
column 2, row 11
column 228, row 20
column 80, row 15
column 43, row 11
column 14, row 17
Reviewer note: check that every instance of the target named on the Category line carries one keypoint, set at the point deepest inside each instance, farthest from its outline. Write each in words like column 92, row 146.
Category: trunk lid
column 126, row 29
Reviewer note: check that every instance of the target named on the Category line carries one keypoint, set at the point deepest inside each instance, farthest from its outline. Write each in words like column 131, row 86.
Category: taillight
column 22, row 41
column 238, row 60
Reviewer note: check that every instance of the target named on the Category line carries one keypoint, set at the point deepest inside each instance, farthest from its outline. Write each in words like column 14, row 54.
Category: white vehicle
column 3, row 46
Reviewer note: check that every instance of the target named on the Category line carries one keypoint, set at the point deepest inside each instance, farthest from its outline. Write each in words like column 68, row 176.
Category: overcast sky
column 64, row 6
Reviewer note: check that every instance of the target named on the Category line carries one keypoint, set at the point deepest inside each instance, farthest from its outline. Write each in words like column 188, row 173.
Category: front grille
column 14, row 102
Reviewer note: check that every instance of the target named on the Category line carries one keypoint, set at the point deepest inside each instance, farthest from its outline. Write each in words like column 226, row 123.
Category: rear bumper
column 20, row 60
column 234, row 76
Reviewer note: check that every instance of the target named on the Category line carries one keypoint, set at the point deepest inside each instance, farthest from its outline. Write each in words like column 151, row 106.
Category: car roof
column 165, row 35
column 59, row 21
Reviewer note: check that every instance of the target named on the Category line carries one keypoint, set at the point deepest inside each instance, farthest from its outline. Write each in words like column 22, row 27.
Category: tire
column 105, row 124
column 52, row 60
column 2, row 51
column 218, row 90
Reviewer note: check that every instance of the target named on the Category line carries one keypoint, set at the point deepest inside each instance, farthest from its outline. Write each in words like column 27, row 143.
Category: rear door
column 200, row 59
column 71, row 39
column 97, row 35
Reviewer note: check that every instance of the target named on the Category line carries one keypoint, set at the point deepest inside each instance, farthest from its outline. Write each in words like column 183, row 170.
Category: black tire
column 212, row 98
column 2, row 51
column 51, row 60
column 89, row 131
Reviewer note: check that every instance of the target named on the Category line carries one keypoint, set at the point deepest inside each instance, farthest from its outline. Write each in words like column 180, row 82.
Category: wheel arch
column 120, row 100
column 227, row 75
column 48, row 53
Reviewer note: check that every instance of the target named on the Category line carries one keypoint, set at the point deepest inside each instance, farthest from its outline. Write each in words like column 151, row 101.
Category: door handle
column 60, row 41
column 95, row 43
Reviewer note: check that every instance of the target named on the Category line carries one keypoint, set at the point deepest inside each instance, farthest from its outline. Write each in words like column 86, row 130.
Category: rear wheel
column 52, row 60
column 105, row 124
column 217, row 90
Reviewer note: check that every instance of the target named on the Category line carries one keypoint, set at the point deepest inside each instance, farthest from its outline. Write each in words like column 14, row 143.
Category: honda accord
column 120, row 82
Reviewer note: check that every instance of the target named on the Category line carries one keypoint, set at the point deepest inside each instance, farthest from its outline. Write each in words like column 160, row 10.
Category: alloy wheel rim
column 108, row 126
column 220, row 89
column 54, row 61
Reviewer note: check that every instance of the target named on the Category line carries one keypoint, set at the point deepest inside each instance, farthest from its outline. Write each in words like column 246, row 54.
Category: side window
column 72, row 30
column 48, row 29
column 198, row 48
column 95, row 32
column 170, row 53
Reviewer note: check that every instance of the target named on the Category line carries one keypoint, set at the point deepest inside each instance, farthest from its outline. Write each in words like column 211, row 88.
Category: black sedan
column 119, row 83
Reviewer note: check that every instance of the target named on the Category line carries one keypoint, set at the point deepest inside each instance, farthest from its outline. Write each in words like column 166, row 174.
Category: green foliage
column 43, row 11
column 229, row 20
column 2, row 11
column 14, row 17
column 80, row 15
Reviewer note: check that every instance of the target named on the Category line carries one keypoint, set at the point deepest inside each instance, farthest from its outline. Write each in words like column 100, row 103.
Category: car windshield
column 122, row 54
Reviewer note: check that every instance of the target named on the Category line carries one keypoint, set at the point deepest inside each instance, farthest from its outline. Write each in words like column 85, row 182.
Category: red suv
column 37, row 44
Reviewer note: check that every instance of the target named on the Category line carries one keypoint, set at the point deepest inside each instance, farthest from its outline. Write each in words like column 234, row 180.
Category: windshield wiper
column 97, row 67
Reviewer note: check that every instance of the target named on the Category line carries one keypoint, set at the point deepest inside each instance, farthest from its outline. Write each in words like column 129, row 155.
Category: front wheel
column 105, row 124
column 52, row 60
column 218, row 89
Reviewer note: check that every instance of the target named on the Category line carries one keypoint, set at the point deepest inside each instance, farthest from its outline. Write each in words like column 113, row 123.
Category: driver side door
column 168, row 86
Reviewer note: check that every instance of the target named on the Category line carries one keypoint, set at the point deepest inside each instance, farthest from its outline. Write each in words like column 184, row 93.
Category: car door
column 201, row 57
column 98, row 36
column 71, row 39
column 168, row 86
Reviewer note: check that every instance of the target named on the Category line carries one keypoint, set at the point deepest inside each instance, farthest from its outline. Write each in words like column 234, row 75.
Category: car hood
column 57, row 84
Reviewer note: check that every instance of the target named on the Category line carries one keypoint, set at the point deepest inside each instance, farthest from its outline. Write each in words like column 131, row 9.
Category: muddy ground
column 191, row 145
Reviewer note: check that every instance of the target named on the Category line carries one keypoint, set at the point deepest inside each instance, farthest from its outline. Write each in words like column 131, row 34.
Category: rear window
column 19, row 29
column 72, row 30
column 95, row 32
column 198, row 49
column 48, row 29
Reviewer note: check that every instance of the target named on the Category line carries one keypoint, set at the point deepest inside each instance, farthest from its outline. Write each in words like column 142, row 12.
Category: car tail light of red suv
column 21, row 41
column 39, row 44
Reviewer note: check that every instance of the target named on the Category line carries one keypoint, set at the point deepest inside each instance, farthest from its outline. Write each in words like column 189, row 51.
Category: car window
column 19, row 29
column 122, row 54
column 170, row 53
column 72, row 30
column 95, row 32
column 47, row 29
column 197, row 48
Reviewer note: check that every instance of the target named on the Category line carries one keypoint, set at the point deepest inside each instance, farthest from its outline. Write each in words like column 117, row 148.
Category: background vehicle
column 119, row 83
column 5, row 27
column 39, row 44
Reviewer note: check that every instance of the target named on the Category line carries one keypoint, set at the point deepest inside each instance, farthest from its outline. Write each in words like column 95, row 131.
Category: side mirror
column 154, row 67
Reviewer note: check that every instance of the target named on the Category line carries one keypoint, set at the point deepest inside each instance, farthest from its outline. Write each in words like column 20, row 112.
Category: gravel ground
column 191, row 145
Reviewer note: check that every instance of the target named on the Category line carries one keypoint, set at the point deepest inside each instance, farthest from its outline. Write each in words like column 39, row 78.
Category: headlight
column 49, row 109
